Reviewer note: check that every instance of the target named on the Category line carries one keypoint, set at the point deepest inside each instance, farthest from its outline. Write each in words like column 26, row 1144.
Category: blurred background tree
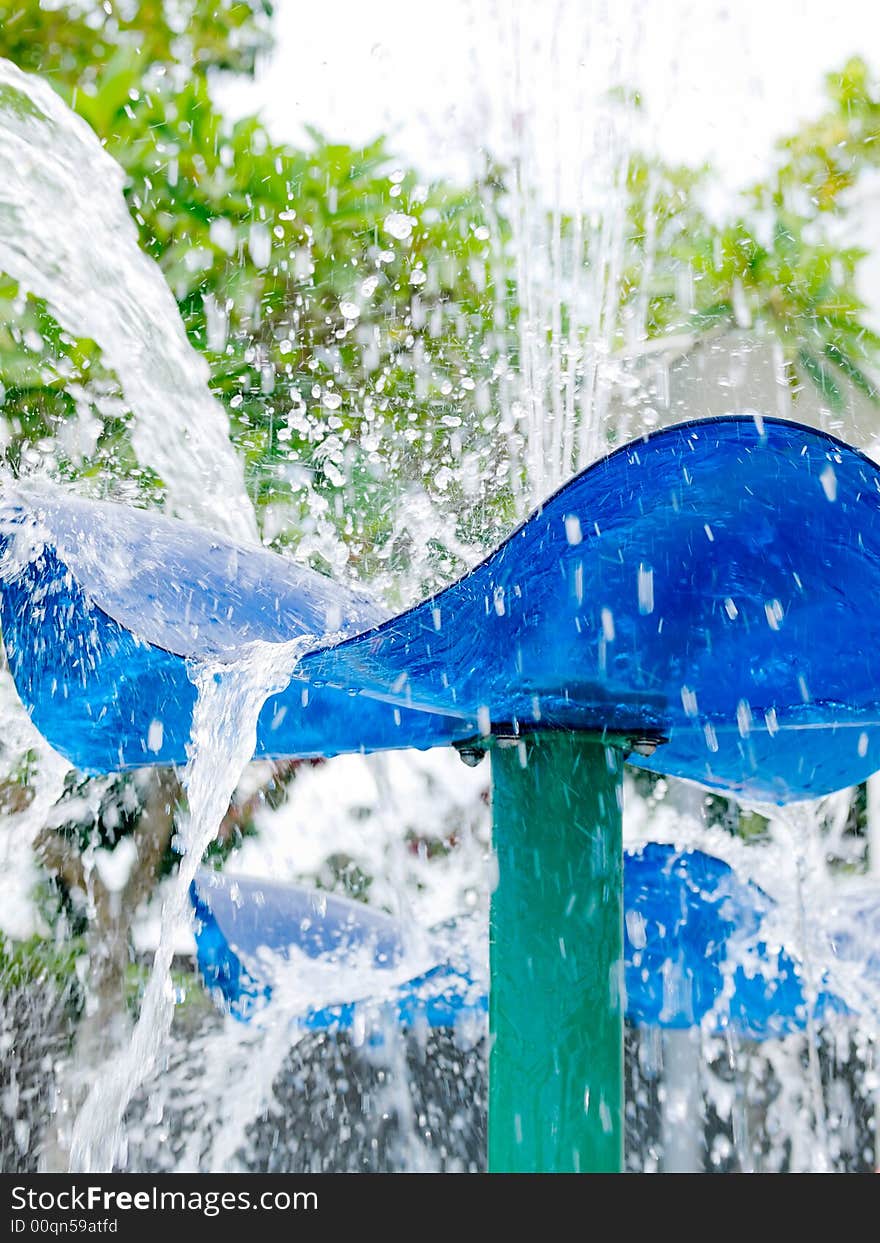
column 777, row 261
column 341, row 300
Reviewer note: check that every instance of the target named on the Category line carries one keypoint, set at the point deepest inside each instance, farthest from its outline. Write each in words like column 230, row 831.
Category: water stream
column 568, row 138
column 224, row 738
column 61, row 203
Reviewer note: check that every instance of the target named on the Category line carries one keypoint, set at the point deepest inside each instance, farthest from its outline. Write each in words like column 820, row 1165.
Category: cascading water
column 224, row 738
column 567, row 138
column 789, row 1102
column 231, row 1070
column 60, row 202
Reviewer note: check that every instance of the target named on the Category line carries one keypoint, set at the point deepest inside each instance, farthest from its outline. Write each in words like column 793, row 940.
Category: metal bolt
column 645, row 746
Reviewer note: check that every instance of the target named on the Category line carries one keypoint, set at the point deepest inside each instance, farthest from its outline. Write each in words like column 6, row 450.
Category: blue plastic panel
column 693, row 952
column 96, row 689
column 237, row 920
column 177, row 588
column 713, row 584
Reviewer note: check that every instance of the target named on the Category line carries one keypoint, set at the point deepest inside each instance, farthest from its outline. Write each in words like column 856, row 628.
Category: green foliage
column 37, row 960
column 358, row 366
column 776, row 262
column 348, row 357
column 107, row 809
column 192, row 1001
column 69, row 40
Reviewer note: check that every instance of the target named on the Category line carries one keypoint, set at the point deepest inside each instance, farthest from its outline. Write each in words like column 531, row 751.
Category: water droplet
column 398, row 224
column 222, row 234
column 573, row 532
column 635, row 929
column 774, row 614
column 260, row 244
column 828, row 479
column 155, row 736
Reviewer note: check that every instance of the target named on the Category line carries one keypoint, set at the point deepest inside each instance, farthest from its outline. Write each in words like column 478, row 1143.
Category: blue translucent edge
column 689, row 905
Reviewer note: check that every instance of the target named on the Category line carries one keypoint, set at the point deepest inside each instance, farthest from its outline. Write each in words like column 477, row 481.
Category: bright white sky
column 720, row 80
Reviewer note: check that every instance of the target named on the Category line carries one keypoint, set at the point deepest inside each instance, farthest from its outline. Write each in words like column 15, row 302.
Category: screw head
column 644, row 746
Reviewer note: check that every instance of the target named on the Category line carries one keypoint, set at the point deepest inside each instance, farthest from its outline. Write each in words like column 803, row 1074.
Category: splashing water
column 230, row 698
column 568, row 139
column 23, row 748
column 66, row 236
column 242, row 1065
column 828, row 921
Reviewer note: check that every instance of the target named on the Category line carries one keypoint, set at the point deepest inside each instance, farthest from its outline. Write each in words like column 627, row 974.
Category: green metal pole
column 555, row 1001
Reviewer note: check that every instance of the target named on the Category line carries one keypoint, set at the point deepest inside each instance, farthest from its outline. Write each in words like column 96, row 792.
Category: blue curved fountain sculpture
column 701, row 602
column 669, row 591
column 694, row 953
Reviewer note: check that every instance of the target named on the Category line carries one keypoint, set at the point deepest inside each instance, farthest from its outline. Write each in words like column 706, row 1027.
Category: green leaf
column 862, row 381
column 822, row 378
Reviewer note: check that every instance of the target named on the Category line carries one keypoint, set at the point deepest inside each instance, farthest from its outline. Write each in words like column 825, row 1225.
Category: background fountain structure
column 569, row 371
